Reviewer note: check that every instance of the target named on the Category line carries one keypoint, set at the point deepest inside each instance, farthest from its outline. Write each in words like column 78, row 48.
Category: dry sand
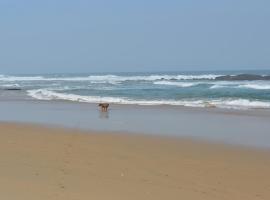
column 39, row 163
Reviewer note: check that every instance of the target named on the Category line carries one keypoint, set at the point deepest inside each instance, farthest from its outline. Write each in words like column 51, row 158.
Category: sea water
column 194, row 89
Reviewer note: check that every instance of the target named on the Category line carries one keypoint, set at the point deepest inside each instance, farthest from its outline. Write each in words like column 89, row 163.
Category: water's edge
column 240, row 127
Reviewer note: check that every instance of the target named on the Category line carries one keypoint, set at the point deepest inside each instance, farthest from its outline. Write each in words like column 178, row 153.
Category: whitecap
column 256, row 86
column 10, row 85
column 218, row 86
column 112, row 78
column 178, row 84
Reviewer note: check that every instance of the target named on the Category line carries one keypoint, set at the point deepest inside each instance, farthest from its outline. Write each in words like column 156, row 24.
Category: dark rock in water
column 242, row 77
column 173, row 79
column 13, row 89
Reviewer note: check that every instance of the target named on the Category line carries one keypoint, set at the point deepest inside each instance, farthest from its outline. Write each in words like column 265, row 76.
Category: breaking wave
column 250, row 85
column 218, row 86
column 152, row 77
column 256, row 86
column 44, row 94
column 106, row 78
column 9, row 85
column 178, row 84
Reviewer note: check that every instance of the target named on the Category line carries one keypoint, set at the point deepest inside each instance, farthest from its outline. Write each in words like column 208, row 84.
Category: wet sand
column 51, row 163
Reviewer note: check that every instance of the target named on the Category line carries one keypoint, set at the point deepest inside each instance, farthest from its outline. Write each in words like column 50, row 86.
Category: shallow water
column 250, row 127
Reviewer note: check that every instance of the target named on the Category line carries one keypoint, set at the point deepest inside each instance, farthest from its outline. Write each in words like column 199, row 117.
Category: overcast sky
column 47, row 36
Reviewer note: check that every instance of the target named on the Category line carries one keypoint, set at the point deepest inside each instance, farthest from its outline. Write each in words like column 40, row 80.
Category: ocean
column 233, row 90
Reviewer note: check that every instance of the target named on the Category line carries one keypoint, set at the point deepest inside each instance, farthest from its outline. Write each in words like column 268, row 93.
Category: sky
column 66, row 36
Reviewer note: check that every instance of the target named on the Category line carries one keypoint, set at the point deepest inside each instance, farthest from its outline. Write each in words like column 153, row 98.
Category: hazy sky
column 38, row 36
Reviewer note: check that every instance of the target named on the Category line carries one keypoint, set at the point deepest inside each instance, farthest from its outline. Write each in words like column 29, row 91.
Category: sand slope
column 49, row 163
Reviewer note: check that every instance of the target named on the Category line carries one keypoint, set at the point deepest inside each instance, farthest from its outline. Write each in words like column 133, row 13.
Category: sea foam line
column 44, row 94
column 106, row 78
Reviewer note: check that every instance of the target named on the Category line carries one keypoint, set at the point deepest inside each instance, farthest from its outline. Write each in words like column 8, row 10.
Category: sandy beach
column 51, row 163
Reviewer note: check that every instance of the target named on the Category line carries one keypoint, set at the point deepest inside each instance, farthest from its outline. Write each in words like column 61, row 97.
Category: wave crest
column 44, row 94
column 178, row 84
column 256, row 86
column 113, row 78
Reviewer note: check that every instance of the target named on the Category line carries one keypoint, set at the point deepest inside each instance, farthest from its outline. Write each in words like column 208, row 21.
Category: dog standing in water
column 104, row 106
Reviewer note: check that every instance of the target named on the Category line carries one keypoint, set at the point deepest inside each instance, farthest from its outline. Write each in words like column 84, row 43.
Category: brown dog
column 104, row 106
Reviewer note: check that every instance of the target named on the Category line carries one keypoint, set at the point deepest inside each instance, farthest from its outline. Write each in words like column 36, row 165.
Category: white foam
column 153, row 77
column 44, row 94
column 21, row 78
column 218, row 86
column 112, row 82
column 224, row 84
column 10, row 85
column 256, row 86
column 240, row 103
column 178, row 84
column 110, row 78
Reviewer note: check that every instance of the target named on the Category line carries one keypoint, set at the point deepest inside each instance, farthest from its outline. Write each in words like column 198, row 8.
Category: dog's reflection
column 104, row 115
